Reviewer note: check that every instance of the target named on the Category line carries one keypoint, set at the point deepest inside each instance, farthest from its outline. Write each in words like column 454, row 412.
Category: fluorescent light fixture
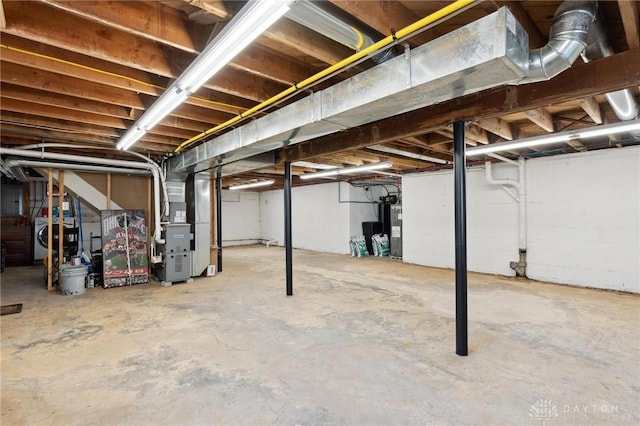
column 160, row 109
column 246, row 26
column 252, row 185
column 130, row 137
column 608, row 129
column 389, row 174
column 591, row 132
column 242, row 30
column 347, row 170
column 311, row 165
column 408, row 154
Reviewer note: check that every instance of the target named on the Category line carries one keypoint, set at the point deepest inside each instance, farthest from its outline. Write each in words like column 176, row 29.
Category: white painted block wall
column 324, row 216
column 428, row 221
column 240, row 217
column 583, row 220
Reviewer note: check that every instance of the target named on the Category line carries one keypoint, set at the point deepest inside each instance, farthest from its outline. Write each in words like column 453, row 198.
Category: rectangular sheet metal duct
column 489, row 52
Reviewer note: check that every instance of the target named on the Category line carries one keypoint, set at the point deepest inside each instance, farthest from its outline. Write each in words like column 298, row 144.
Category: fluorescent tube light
column 622, row 127
column 408, row 154
column 317, row 175
column 313, row 165
column 389, row 174
column 347, row 170
column 246, row 26
column 254, row 18
column 161, row 108
column 130, row 137
column 591, row 132
column 252, row 185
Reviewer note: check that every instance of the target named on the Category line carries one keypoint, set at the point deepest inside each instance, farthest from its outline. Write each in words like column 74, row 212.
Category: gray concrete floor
column 362, row 342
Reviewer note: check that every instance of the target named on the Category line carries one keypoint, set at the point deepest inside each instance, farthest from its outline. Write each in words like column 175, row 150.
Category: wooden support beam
column 476, row 133
column 10, row 91
column 62, row 113
column 592, row 108
column 214, row 7
column 496, row 126
column 60, row 220
column 151, row 20
column 50, row 228
column 172, row 126
column 49, row 58
column 295, row 36
column 431, row 150
column 40, row 23
column 448, row 133
column 28, row 120
column 604, row 75
column 11, row 130
column 108, row 191
column 384, row 16
column 22, row 76
column 542, row 118
column 284, row 33
column 629, row 14
column 272, row 65
column 3, row 19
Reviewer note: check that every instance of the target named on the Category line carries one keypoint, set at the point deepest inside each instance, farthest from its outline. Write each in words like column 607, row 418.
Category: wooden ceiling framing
column 82, row 72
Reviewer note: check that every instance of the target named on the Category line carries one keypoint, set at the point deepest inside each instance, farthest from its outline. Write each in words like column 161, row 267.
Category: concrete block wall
column 240, row 218
column 324, row 216
column 428, row 221
column 583, row 220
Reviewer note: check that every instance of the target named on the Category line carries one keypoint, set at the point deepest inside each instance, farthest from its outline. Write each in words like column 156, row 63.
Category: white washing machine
column 40, row 234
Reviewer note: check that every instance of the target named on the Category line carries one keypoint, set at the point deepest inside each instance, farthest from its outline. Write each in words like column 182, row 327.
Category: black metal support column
column 459, row 163
column 287, row 227
column 219, row 217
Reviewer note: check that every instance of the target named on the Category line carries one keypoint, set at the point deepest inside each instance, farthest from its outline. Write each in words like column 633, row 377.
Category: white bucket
column 72, row 279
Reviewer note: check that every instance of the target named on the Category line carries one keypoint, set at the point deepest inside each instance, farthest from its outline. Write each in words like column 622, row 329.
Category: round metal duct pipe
column 567, row 40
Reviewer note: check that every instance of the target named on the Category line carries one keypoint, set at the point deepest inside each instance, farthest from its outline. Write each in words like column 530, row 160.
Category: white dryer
column 40, row 234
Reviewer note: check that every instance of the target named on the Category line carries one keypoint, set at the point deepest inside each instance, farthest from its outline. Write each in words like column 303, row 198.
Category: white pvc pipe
column 494, row 181
column 66, row 145
column 520, row 186
column 272, row 241
column 102, row 161
column 522, row 200
column 85, row 167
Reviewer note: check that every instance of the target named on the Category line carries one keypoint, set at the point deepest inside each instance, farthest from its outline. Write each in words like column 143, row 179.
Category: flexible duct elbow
column 567, row 40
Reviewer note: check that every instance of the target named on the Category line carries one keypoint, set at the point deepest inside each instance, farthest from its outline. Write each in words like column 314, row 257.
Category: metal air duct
column 622, row 102
column 489, row 52
column 567, row 40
